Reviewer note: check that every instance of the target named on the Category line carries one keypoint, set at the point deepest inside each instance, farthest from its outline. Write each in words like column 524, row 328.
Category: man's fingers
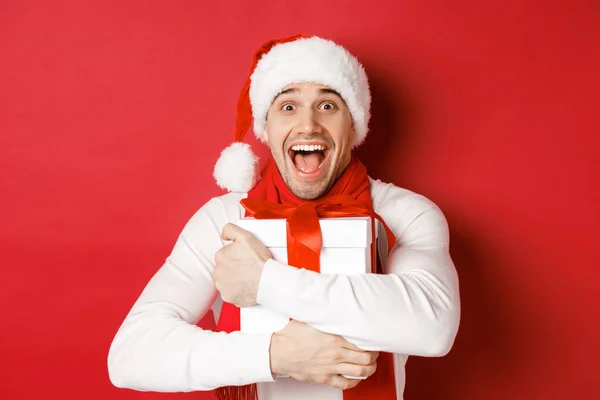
column 362, row 371
column 232, row 232
column 360, row 357
column 351, row 346
column 342, row 383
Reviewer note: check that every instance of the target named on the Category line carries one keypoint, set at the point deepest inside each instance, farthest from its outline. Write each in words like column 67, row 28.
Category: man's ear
column 265, row 136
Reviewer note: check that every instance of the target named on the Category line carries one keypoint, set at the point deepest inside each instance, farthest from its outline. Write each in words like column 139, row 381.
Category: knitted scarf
column 350, row 192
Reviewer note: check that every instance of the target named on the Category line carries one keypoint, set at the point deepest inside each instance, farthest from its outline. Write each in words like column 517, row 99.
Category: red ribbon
column 303, row 229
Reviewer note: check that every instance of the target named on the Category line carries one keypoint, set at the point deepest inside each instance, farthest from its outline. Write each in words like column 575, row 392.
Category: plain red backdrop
column 113, row 113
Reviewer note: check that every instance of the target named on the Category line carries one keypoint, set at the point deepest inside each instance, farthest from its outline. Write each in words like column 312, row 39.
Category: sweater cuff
column 276, row 283
column 246, row 359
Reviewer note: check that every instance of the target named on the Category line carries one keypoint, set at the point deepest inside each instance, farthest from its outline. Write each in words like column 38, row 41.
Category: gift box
column 345, row 250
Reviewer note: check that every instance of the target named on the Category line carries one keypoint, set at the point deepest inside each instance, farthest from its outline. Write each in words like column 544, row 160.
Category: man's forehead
column 296, row 88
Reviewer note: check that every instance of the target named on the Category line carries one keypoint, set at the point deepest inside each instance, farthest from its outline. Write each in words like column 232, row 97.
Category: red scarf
column 353, row 188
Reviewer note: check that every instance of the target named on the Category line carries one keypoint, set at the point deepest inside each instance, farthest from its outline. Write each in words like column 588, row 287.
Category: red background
column 113, row 113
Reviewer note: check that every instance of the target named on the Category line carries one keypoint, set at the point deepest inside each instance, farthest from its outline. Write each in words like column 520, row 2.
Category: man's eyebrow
column 321, row 90
column 331, row 91
column 290, row 90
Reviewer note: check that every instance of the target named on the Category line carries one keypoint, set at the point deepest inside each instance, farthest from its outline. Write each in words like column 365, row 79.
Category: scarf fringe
column 247, row 392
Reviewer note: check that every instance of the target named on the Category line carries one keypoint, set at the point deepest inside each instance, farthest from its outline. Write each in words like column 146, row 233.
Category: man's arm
column 158, row 346
column 414, row 309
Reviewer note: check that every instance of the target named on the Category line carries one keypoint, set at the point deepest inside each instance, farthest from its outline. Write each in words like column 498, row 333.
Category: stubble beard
column 309, row 190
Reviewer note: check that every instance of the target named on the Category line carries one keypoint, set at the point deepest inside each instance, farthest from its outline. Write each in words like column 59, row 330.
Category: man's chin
column 308, row 190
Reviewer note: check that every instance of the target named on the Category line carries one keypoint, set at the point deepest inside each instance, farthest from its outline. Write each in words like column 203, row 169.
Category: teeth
column 306, row 147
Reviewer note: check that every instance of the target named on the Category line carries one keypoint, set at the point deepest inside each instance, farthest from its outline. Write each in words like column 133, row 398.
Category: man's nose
column 308, row 122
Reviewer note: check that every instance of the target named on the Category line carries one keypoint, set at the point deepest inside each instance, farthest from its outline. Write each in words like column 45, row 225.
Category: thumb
column 232, row 232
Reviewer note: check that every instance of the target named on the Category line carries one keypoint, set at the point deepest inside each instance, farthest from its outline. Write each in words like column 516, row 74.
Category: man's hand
column 309, row 355
column 239, row 266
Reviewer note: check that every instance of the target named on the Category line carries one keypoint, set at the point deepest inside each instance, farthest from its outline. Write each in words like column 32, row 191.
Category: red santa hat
column 276, row 64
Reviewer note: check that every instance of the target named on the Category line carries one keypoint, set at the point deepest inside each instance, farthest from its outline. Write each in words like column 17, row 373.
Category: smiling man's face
column 309, row 130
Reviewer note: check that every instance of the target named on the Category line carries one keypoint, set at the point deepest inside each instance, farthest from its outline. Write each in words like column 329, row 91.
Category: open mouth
column 308, row 159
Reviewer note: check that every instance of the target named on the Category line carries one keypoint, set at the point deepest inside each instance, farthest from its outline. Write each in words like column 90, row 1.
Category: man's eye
column 288, row 107
column 327, row 106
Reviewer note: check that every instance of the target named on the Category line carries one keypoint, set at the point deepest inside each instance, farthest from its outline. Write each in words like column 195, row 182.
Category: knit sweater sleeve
column 412, row 309
column 159, row 348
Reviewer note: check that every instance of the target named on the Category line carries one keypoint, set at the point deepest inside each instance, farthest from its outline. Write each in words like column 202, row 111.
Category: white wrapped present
column 345, row 250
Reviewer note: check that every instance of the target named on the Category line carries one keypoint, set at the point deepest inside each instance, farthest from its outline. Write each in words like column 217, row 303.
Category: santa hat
column 276, row 64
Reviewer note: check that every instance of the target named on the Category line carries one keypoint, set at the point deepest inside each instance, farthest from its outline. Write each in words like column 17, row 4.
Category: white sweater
column 413, row 309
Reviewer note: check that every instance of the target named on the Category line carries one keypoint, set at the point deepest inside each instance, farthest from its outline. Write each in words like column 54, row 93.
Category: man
column 310, row 103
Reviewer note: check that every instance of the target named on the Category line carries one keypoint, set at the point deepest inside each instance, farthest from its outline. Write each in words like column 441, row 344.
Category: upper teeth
column 306, row 147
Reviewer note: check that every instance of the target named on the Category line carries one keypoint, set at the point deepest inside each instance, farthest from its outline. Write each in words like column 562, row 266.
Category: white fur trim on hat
column 313, row 60
column 236, row 169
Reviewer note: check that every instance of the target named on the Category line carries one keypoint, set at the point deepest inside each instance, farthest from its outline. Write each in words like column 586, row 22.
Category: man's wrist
column 261, row 268
column 273, row 354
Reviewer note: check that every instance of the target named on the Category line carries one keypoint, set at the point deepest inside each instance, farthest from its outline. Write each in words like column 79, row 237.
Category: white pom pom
column 236, row 169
